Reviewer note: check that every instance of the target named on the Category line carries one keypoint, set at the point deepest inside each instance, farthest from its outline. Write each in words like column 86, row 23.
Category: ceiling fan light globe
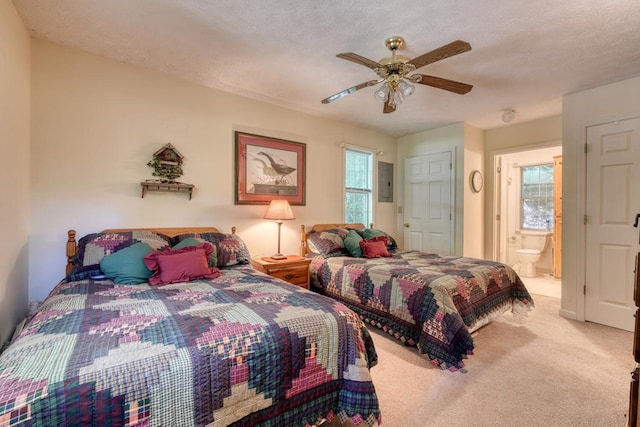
column 396, row 97
column 382, row 93
column 406, row 88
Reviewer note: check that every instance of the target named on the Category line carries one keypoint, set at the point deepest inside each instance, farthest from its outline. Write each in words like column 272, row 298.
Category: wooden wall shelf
column 166, row 186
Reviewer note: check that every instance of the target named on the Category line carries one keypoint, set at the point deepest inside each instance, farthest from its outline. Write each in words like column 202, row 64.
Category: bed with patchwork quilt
column 210, row 342
column 433, row 302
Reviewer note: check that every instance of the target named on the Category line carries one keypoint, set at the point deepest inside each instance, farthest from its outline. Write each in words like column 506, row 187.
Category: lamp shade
column 279, row 210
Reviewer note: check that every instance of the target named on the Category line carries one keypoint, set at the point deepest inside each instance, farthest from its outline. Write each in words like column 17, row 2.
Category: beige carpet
column 548, row 372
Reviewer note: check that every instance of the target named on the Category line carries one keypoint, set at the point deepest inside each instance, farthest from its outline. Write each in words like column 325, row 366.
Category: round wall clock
column 476, row 181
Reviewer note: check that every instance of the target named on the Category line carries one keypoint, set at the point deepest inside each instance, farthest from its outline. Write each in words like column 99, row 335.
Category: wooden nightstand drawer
column 297, row 276
column 294, row 269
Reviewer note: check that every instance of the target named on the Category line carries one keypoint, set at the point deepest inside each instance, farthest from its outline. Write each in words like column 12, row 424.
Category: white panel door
column 613, row 200
column 428, row 203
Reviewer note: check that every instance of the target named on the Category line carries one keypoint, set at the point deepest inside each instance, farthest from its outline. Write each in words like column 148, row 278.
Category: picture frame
column 269, row 168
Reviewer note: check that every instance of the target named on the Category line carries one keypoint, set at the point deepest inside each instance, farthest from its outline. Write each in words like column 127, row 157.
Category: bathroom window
column 536, row 203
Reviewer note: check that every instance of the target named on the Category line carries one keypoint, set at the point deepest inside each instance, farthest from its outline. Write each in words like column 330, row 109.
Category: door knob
column 635, row 224
column 406, row 225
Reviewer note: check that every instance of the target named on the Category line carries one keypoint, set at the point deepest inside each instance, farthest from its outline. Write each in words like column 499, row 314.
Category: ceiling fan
column 393, row 73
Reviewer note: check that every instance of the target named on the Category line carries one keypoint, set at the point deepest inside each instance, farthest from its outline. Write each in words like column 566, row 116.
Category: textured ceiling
column 525, row 54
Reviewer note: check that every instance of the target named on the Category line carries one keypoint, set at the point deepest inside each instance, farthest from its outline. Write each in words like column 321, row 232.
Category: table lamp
column 279, row 210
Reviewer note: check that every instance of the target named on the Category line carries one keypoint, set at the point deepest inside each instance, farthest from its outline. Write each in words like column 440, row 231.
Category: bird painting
column 268, row 173
column 281, row 169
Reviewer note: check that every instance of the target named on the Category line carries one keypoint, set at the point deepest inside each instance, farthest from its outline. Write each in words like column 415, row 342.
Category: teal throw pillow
column 126, row 266
column 352, row 243
column 193, row 241
column 369, row 233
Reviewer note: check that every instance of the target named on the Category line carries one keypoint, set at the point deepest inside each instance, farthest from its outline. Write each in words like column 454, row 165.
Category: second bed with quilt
column 433, row 302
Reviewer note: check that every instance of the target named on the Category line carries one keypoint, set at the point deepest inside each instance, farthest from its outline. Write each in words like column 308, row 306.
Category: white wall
column 473, row 227
column 96, row 123
column 582, row 109
column 14, row 173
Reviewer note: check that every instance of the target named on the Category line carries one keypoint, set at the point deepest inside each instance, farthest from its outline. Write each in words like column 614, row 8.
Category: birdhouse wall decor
column 167, row 163
column 167, row 166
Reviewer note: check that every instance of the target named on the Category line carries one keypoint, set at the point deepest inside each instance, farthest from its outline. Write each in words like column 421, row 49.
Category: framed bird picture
column 268, row 168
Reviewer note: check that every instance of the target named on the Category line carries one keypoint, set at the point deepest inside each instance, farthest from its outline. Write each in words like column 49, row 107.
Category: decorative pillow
column 193, row 241
column 352, row 243
column 368, row 233
column 230, row 249
column 93, row 247
column 375, row 248
column 181, row 265
column 329, row 243
column 126, row 266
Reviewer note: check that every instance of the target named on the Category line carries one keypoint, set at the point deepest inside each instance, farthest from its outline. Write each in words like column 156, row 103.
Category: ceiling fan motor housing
column 394, row 43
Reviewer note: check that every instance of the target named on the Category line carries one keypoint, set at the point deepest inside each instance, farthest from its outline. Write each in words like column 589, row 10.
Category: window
column 358, row 204
column 536, row 207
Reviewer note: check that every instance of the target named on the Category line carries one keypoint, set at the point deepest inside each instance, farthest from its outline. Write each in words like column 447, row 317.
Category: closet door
column 612, row 201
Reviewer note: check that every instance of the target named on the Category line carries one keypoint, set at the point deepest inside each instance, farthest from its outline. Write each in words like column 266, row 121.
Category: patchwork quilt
column 423, row 299
column 241, row 350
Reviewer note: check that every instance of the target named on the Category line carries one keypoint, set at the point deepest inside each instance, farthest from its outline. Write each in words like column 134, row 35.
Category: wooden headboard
column 72, row 245
column 304, row 235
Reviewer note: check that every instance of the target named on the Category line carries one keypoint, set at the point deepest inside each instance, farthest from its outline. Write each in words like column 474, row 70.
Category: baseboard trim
column 568, row 314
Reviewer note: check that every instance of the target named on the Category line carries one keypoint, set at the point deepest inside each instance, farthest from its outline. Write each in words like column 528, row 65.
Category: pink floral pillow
column 181, row 265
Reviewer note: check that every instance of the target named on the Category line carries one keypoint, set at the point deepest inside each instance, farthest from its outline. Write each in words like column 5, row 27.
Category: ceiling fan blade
column 454, row 48
column 440, row 83
column 388, row 107
column 354, row 57
column 349, row 91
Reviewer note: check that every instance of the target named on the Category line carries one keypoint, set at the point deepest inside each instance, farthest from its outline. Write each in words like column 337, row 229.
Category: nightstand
column 294, row 269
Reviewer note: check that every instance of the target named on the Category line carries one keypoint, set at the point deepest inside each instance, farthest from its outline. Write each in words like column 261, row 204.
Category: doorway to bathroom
column 523, row 210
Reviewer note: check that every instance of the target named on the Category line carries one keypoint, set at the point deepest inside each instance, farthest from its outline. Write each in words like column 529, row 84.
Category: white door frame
column 581, row 201
column 496, row 217
column 497, row 225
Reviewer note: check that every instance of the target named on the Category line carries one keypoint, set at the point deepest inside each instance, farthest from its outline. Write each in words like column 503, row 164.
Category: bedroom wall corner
column 15, row 76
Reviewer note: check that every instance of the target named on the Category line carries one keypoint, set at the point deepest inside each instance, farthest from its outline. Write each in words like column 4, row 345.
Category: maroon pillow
column 180, row 265
column 375, row 247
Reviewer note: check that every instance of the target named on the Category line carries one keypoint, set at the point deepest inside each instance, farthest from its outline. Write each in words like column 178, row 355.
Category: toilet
column 533, row 243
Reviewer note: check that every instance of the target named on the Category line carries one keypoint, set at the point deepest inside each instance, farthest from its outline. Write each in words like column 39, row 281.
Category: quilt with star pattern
column 244, row 349
column 433, row 302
